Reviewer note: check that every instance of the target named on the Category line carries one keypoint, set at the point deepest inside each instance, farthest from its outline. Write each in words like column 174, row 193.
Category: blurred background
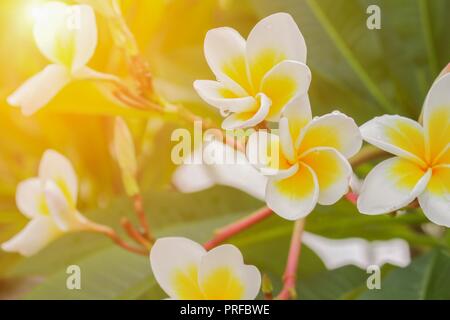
column 361, row 72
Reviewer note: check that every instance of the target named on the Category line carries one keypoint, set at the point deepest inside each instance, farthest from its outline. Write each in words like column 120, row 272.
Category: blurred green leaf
column 332, row 285
column 427, row 277
column 366, row 72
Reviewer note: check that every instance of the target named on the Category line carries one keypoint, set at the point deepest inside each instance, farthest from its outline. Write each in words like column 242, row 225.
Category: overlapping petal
column 66, row 35
column 294, row 196
column 57, row 168
column 284, row 82
column 391, row 185
column 37, row 234
column 225, row 55
column 435, row 200
column 223, row 275
column 175, row 263
column 217, row 95
column 397, row 135
column 37, row 91
column 274, row 39
column 334, row 130
column 436, row 120
column 30, row 198
column 333, row 173
column 249, row 118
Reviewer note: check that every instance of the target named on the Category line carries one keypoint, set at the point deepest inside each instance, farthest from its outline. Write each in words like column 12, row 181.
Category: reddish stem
column 139, row 209
column 107, row 231
column 135, row 234
column 352, row 197
column 237, row 227
column 290, row 273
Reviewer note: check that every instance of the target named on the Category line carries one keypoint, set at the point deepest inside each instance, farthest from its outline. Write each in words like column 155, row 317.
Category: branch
column 110, row 233
column 140, row 212
column 290, row 273
column 236, row 227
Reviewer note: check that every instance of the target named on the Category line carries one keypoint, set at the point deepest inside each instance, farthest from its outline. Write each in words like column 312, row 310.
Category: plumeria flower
column 67, row 36
column 421, row 168
column 258, row 77
column 50, row 202
column 334, row 253
column 307, row 161
column 185, row 271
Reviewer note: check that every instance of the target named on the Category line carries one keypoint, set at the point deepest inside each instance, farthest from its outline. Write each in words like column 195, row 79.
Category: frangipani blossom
column 185, row 271
column 334, row 253
column 256, row 78
column 309, row 165
column 50, row 202
column 421, row 168
column 67, row 36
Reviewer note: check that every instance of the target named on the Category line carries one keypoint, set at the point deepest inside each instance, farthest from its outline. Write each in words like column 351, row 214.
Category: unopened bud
column 126, row 157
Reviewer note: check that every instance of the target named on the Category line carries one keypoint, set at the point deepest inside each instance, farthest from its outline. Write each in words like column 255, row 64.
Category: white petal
column 334, row 130
column 85, row 36
column 51, row 32
column 65, row 34
column 391, row 185
column 286, row 140
column 30, row 198
column 225, row 54
column 57, row 168
column 436, row 118
column 293, row 197
column 435, row 200
column 336, row 253
column 263, row 151
column 240, row 175
column 284, row 82
column 37, row 234
column 439, row 95
column 64, row 215
column 248, row 119
column 252, row 278
column 397, row 135
column 86, row 73
column 37, row 91
column 333, row 173
column 298, row 111
column 213, row 93
column 171, row 255
column 274, row 39
column 229, row 257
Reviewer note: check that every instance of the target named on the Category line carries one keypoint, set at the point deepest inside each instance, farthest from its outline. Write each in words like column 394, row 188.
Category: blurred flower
column 308, row 164
column 50, row 202
column 258, row 77
column 126, row 157
column 67, row 36
column 186, row 271
column 421, row 168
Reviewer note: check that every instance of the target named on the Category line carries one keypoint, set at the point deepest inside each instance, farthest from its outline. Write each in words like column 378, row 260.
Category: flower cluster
column 260, row 82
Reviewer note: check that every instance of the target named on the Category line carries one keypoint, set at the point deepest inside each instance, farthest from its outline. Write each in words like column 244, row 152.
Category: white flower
column 185, row 271
column 258, row 77
column 307, row 160
column 334, row 253
column 50, row 202
column 421, row 168
column 67, row 36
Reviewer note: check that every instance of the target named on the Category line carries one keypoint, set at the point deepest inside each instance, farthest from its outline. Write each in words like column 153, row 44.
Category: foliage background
column 361, row 72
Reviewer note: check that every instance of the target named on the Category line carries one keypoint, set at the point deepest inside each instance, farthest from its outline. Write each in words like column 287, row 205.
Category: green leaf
column 366, row 72
column 332, row 285
column 427, row 277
